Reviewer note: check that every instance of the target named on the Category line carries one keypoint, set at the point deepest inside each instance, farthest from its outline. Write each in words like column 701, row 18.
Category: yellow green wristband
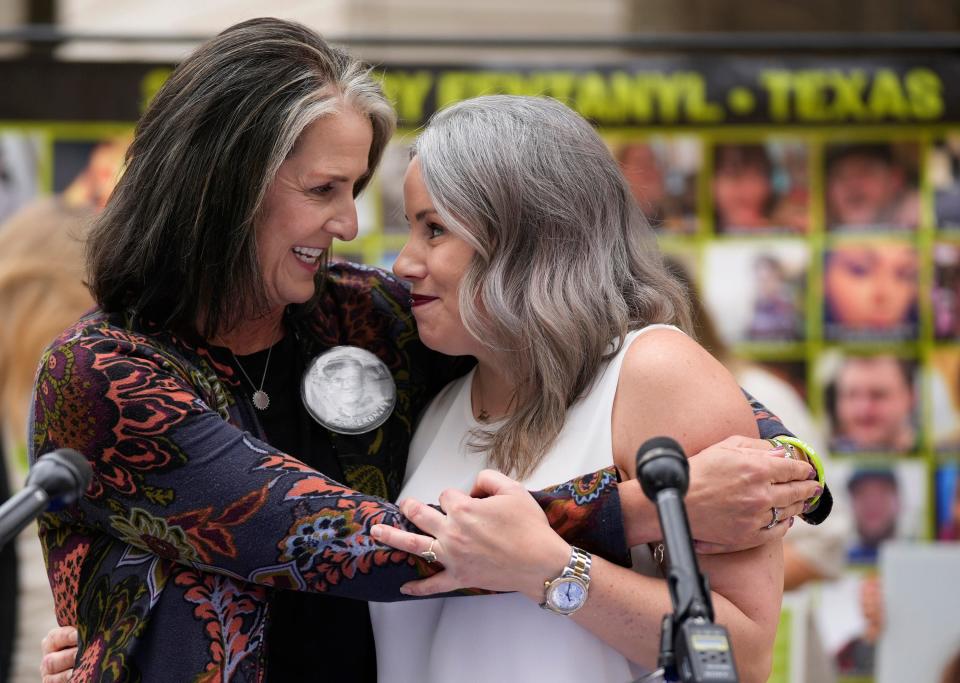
column 812, row 458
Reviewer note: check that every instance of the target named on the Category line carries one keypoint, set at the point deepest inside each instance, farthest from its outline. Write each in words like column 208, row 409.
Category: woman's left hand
column 498, row 542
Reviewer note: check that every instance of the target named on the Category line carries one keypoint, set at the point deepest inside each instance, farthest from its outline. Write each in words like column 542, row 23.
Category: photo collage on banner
column 829, row 281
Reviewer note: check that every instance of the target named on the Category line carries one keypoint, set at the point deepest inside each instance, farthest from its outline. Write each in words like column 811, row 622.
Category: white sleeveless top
column 504, row 637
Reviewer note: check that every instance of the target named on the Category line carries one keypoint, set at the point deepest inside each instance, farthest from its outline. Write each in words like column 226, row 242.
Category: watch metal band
column 579, row 564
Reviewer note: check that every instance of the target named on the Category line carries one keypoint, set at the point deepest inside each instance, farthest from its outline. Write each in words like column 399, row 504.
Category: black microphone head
column 63, row 474
column 661, row 464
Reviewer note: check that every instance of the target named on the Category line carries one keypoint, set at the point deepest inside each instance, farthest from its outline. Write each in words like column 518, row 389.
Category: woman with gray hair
column 528, row 252
column 215, row 517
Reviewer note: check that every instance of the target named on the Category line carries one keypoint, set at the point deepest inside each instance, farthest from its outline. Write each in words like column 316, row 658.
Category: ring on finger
column 776, row 518
column 428, row 554
column 790, row 452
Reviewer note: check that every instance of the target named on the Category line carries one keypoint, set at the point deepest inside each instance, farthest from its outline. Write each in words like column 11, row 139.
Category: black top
column 302, row 646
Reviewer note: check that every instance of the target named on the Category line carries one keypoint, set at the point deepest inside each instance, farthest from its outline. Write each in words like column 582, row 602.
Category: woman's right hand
column 59, row 649
column 734, row 486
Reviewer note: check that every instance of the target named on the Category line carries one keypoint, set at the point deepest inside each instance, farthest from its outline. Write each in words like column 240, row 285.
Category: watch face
column 567, row 595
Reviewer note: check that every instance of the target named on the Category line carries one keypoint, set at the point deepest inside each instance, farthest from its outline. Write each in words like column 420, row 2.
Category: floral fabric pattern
column 168, row 564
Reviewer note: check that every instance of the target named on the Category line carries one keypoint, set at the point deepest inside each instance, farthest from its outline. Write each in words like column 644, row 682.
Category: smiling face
column 434, row 260
column 310, row 202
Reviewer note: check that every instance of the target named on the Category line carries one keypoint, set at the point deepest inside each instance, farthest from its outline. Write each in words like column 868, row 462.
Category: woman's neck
column 253, row 335
column 492, row 393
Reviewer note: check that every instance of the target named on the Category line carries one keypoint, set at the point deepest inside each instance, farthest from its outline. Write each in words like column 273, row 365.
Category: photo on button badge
column 870, row 291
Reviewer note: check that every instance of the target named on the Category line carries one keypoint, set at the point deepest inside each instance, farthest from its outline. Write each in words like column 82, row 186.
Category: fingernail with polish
column 812, row 475
column 806, row 507
column 817, row 491
column 791, row 520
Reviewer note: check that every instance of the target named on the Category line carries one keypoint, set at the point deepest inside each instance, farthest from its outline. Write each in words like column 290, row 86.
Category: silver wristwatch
column 568, row 592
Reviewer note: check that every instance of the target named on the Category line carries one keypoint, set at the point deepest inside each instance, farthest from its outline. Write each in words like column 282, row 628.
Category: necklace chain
column 260, row 398
column 482, row 414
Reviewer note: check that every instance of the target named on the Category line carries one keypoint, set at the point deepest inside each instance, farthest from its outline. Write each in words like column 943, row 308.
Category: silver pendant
column 261, row 401
column 348, row 390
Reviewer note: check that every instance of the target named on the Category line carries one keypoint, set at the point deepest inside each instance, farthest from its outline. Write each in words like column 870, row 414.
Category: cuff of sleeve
column 820, row 505
column 586, row 512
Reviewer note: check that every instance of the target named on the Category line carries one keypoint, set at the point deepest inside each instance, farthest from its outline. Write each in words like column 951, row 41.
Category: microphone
column 692, row 647
column 56, row 480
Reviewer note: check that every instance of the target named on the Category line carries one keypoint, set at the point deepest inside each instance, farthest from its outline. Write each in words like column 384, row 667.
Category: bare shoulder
column 670, row 386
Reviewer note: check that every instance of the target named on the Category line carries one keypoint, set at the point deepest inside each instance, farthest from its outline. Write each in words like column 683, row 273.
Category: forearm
column 640, row 522
column 625, row 610
column 639, row 513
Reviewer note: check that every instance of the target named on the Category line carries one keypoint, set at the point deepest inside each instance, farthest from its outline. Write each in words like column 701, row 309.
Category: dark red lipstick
column 420, row 299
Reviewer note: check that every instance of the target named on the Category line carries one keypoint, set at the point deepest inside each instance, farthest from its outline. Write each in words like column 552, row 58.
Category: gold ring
column 428, row 554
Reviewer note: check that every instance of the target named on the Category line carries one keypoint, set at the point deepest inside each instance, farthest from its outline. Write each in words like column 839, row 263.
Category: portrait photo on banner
column 662, row 172
column 761, row 188
column 948, row 501
column 945, row 296
column 871, row 401
column 888, row 500
column 872, row 185
column 765, row 304
column 943, row 170
column 943, row 382
column 870, row 290
column 888, row 503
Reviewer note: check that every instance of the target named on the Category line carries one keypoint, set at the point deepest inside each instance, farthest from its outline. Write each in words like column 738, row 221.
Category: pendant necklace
column 482, row 415
column 260, row 398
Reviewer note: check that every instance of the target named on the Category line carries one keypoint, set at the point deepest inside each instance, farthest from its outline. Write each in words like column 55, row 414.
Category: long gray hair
column 177, row 238
column 565, row 260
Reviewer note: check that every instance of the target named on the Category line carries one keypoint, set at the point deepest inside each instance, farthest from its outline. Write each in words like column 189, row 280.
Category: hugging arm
column 624, row 609
column 173, row 479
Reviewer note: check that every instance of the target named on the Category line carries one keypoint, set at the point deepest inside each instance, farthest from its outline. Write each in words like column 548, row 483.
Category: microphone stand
column 693, row 649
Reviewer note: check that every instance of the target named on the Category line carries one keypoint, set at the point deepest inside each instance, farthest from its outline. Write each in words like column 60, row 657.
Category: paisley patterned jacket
column 168, row 563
